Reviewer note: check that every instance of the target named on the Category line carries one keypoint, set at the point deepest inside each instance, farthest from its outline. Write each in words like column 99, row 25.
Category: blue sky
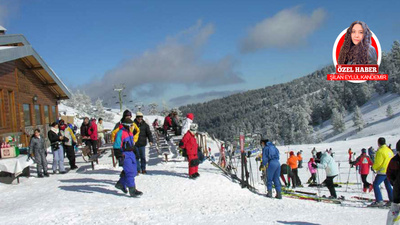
column 181, row 52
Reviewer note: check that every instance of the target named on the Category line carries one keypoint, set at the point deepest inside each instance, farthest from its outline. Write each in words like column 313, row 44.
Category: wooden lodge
column 29, row 90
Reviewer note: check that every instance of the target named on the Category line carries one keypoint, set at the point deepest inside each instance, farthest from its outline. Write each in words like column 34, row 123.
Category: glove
column 314, row 166
column 30, row 156
column 317, row 161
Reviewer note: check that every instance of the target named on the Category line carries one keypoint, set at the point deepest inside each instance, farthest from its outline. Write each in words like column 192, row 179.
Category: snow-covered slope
column 89, row 197
column 374, row 115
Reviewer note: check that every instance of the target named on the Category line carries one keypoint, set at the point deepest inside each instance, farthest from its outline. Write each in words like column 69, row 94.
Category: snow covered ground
column 89, row 197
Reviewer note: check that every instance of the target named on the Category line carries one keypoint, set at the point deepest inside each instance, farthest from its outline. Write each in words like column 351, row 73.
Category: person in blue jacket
column 270, row 156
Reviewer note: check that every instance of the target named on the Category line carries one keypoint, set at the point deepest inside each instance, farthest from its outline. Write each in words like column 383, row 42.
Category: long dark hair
column 357, row 54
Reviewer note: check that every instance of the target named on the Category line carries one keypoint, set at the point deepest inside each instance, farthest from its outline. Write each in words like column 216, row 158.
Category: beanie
column 126, row 113
column 190, row 116
column 363, row 150
column 291, row 153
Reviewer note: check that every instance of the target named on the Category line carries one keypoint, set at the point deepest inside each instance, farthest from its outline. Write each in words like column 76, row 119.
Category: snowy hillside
column 374, row 116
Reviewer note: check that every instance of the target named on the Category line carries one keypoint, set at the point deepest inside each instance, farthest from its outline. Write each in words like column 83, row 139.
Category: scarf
column 55, row 130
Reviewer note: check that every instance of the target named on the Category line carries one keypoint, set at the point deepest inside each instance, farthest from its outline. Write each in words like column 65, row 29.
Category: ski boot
column 269, row 194
column 133, row 192
column 278, row 195
column 121, row 187
column 196, row 175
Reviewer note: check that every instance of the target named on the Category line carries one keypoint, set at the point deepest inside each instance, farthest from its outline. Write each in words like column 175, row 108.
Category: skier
column 325, row 161
column 313, row 171
column 383, row 157
column 300, row 159
column 371, row 153
column 56, row 139
column 270, row 156
column 393, row 175
column 38, row 150
column 124, row 141
column 292, row 162
column 186, row 124
column 222, row 160
column 69, row 144
column 350, row 155
column 141, row 143
column 190, row 144
column 364, row 163
column 285, row 169
column 314, row 153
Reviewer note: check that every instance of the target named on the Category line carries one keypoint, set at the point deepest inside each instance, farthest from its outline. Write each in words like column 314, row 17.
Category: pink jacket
column 312, row 169
column 93, row 130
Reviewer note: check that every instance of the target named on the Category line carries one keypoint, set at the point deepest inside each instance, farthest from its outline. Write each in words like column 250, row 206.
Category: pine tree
column 337, row 121
column 357, row 119
column 389, row 111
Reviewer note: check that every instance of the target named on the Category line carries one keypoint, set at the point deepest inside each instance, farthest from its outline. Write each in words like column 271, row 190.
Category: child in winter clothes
column 313, row 171
column 190, row 144
column 124, row 141
column 38, row 150
column 364, row 162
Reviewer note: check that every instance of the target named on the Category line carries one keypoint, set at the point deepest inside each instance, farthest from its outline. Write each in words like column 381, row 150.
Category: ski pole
column 348, row 178
column 318, row 185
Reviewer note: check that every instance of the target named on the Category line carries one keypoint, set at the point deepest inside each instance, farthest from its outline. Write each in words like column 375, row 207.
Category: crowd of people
column 130, row 138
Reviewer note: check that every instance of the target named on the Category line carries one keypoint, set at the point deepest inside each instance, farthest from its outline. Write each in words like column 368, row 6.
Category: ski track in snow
column 89, row 197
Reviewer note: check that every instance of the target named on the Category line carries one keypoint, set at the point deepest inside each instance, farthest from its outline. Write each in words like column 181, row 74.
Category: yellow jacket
column 382, row 159
column 134, row 128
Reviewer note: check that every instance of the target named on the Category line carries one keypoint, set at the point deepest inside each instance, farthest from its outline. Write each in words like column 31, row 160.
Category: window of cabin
column 38, row 118
column 46, row 114
column 2, row 111
column 53, row 113
column 27, row 115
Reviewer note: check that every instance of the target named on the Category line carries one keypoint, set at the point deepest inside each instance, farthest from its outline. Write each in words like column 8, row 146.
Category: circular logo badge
column 340, row 40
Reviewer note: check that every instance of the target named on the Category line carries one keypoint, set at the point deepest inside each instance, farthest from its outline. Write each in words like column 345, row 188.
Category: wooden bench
column 94, row 158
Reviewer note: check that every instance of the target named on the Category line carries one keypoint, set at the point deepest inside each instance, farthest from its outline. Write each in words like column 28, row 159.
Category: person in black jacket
column 85, row 133
column 144, row 134
column 56, row 139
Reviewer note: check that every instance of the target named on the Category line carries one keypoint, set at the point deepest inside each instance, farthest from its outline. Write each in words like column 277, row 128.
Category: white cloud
column 287, row 28
column 176, row 61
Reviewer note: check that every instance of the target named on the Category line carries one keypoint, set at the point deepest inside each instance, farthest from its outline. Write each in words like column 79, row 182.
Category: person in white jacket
column 186, row 124
column 100, row 132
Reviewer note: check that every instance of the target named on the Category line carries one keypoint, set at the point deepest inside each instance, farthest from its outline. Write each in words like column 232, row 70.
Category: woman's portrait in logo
column 357, row 45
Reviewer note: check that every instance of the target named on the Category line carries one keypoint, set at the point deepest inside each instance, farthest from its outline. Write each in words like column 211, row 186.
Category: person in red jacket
column 190, row 144
column 93, row 135
column 364, row 163
column 167, row 123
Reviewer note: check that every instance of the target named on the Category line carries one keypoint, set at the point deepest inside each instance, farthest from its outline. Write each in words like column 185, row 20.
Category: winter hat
column 312, row 159
column 193, row 127
column 264, row 141
column 190, row 116
column 126, row 113
column 291, row 153
column 319, row 154
column 363, row 150
column 139, row 114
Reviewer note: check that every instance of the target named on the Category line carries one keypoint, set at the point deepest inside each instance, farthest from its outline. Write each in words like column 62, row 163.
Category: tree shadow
column 297, row 223
column 89, row 189
column 88, row 180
